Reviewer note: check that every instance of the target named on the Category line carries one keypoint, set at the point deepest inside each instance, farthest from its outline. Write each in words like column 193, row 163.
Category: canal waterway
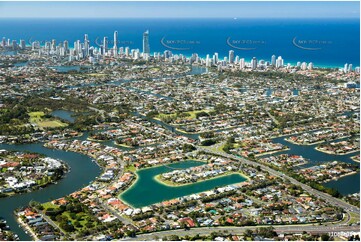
column 147, row 190
column 345, row 185
column 63, row 114
column 73, row 181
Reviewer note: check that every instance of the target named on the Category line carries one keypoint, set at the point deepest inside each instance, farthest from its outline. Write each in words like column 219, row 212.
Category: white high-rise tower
column 115, row 47
column 146, row 48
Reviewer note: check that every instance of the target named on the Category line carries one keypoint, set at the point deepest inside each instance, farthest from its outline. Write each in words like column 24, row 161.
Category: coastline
column 131, row 206
column 119, row 196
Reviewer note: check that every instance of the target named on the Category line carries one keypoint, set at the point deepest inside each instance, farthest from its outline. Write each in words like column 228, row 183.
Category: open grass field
column 51, row 124
column 49, row 205
column 130, row 168
column 216, row 148
column 38, row 119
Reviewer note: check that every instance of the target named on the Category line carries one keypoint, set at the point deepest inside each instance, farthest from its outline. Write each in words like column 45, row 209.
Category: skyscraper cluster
column 84, row 50
column 12, row 44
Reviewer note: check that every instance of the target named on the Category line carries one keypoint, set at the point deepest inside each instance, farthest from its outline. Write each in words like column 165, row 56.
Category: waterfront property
column 154, row 192
column 328, row 171
column 159, row 182
column 24, row 172
column 213, row 169
column 38, row 227
column 340, row 148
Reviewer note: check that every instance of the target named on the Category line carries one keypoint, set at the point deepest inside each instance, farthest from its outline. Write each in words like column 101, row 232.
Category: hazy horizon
column 146, row 10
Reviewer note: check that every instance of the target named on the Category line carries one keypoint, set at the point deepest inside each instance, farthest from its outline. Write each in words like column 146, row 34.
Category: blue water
column 338, row 38
column 63, row 114
column 345, row 185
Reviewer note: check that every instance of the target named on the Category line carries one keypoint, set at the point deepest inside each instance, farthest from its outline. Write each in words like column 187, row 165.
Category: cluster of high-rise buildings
column 253, row 64
column 83, row 50
column 348, row 68
column 13, row 44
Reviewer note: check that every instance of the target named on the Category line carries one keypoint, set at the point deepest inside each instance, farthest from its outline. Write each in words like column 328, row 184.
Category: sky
column 123, row 9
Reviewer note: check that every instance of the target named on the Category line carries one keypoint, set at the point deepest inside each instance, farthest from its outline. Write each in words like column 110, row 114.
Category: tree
column 267, row 232
column 188, row 148
column 67, row 227
column 325, row 237
column 208, row 142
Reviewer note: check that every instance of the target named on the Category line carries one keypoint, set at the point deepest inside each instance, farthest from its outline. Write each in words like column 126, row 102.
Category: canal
column 147, row 190
column 345, row 185
column 64, row 114
column 146, row 186
column 78, row 163
column 73, row 181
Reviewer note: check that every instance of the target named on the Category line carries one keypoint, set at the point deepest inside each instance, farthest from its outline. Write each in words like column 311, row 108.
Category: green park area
column 41, row 121
column 190, row 115
column 72, row 217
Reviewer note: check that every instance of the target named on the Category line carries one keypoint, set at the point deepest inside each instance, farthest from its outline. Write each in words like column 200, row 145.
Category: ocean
column 325, row 42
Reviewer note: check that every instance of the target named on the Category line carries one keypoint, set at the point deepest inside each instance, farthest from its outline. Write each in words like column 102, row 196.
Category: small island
column 198, row 173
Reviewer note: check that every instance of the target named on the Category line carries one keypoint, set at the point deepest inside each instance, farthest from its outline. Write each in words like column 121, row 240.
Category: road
column 240, row 230
column 332, row 200
column 115, row 213
column 52, row 223
column 271, row 116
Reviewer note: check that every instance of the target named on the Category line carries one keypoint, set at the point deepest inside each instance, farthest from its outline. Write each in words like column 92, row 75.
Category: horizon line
column 212, row 17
